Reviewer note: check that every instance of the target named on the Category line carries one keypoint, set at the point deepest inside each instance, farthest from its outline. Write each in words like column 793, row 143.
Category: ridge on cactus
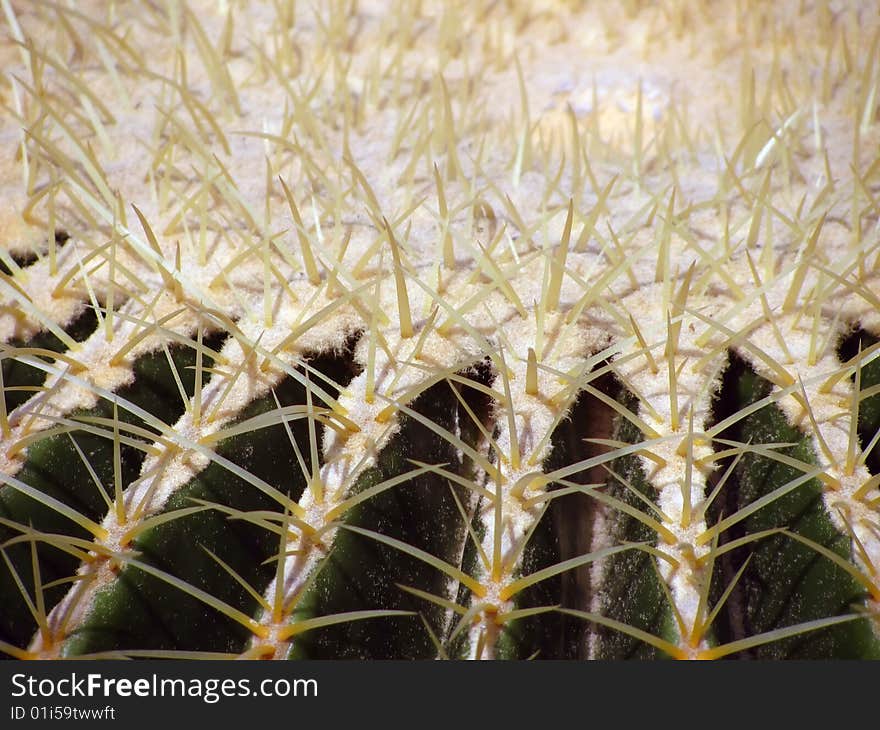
column 440, row 330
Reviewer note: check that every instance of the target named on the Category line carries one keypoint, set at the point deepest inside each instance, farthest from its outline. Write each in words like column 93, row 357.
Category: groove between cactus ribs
column 480, row 214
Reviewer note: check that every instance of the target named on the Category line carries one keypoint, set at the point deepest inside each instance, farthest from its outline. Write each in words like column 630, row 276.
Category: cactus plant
column 412, row 329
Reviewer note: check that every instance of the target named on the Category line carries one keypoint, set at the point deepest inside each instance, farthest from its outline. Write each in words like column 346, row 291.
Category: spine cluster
column 440, row 330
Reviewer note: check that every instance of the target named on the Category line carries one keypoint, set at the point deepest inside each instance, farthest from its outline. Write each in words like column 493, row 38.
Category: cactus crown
column 440, row 329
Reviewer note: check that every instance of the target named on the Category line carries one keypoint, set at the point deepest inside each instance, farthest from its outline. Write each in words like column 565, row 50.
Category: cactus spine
column 440, row 330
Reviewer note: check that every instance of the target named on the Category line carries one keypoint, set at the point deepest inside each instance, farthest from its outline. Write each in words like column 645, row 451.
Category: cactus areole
column 440, row 330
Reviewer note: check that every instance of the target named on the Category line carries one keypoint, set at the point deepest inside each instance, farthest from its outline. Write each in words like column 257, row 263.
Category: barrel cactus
column 440, row 330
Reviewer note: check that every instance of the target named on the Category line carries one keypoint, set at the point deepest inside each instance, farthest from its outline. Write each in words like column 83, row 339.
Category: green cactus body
column 440, row 330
